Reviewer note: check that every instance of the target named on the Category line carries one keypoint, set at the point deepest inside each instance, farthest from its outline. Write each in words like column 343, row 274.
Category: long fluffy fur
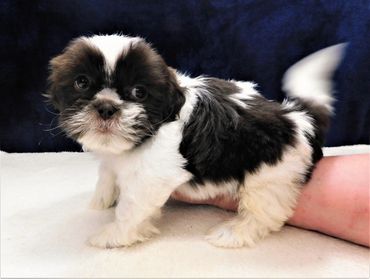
column 202, row 136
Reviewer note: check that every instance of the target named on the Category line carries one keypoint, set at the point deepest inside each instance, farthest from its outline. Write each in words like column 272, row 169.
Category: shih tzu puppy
column 157, row 131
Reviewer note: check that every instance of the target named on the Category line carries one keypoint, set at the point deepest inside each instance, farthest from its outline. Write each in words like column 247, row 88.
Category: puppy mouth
column 103, row 130
column 108, row 126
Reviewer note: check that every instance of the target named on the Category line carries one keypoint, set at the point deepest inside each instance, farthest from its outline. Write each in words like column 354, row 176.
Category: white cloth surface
column 45, row 222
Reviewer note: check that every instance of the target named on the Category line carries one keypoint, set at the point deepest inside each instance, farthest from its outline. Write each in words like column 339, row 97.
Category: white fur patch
column 191, row 96
column 310, row 78
column 104, row 143
column 106, row 192
column 112, row 46
column 238, row 101
column 303, row 122
column 189, row 82
column 248, row 90
column 196, row 86
column 108, row 95
column 118, row 135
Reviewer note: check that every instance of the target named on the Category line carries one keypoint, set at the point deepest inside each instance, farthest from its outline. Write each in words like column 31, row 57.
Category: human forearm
column 336, row 199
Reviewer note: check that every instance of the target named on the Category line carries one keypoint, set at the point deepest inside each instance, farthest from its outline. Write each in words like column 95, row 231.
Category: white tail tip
column 311, row 78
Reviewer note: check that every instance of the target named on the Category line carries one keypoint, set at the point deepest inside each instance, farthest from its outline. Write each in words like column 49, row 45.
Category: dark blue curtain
column 247, row 40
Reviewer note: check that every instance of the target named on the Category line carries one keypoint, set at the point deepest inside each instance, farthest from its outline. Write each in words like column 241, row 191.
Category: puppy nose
column 106, row 111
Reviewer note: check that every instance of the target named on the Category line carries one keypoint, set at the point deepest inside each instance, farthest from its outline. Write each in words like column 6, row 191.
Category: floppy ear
column 160, row 71
column 176, row 92
column 52, row 88
column 57, row 71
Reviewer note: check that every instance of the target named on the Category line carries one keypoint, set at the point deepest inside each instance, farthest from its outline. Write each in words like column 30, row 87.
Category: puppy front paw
column 116, row 235
column 99, row 203
column 110, row 236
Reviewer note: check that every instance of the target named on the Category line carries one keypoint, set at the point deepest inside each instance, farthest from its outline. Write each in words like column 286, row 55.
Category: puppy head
column 112, row 92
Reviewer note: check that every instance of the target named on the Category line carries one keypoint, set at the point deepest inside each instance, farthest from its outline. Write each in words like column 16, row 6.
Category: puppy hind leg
column 263, row 208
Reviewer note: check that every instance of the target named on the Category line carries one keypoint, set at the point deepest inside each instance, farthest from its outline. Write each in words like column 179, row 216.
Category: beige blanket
column 45, row 223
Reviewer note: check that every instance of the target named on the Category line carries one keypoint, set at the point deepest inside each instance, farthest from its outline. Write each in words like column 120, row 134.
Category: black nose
column 106, row 111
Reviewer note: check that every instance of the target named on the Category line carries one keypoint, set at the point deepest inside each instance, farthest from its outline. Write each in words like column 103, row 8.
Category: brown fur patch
column 74, row 55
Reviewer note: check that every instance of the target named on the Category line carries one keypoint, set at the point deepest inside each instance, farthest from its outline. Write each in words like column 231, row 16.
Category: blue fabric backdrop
column 248, row 40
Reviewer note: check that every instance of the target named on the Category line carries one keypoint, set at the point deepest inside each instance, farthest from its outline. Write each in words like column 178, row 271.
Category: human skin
column 335, row 201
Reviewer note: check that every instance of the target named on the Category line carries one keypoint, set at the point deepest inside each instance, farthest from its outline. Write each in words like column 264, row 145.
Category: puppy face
column 112, row 92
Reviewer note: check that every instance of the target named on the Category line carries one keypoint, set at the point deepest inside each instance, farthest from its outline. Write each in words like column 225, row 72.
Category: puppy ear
column 176, row 92
column 51, row 94
column 142, row 53
column 58, row 69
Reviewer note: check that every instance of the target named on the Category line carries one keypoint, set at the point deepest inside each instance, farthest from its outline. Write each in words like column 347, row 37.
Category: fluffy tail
column 310, row 79
column 309, row 82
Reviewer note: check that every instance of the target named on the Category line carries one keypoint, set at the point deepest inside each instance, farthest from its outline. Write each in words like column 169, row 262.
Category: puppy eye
column 82, row 83
column 139, row 93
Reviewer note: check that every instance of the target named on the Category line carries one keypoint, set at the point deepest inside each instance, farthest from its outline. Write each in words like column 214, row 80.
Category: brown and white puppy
column 157, row 131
